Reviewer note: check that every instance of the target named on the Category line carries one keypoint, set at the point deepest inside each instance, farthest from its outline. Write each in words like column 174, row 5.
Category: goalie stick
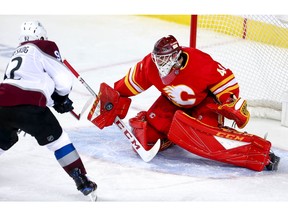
column 144, row 154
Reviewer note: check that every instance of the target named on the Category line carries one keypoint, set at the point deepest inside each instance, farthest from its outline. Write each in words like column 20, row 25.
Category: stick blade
column 147, row 156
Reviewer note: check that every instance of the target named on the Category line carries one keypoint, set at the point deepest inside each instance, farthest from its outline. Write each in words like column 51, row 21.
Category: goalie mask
column 32, row 30
column 165, row 55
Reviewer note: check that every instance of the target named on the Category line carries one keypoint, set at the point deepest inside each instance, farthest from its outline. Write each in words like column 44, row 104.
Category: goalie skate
column 273, row 162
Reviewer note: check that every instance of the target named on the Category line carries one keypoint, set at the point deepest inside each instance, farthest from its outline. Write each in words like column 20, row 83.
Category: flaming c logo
column 180, row 95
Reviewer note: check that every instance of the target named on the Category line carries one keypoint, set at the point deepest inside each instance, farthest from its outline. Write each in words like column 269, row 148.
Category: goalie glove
column 236, row 110
column 62, row 104
column 111, row 105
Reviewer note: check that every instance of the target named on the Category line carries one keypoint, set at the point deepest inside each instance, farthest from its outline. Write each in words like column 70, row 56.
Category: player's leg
column 8, row 133
column 8, row 137
column 69, row 159
column 44, row 126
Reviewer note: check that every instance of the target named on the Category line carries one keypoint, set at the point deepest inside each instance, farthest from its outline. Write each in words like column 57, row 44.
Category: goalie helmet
column 32, row 30
column 165, row 54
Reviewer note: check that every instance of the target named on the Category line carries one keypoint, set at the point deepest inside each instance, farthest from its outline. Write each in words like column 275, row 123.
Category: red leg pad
column 221, row 144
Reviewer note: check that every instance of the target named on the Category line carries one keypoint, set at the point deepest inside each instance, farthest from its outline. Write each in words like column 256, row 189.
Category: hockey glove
column 111, row 105
column 236, row 110
column 62, row 104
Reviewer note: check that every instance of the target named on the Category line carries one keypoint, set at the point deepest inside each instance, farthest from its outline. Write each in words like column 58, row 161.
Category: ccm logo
column 229, row 136
column 127, row 133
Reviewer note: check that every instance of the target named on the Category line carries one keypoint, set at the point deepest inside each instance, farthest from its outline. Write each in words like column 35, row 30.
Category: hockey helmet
column 32, row 30
column 165, row 54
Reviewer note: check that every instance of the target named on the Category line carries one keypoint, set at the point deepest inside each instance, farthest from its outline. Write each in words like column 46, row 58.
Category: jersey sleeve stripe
column 227, row 90
column 131, row 84
column 223, row 82
column 225, row 86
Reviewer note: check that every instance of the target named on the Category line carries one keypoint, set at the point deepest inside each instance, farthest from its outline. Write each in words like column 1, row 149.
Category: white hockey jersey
column 34, row 72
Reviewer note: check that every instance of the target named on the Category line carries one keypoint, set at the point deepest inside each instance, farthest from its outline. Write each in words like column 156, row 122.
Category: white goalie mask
column 165, row 54
column 32, row 30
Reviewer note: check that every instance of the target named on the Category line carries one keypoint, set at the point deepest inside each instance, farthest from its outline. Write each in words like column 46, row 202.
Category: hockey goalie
column 197, row 94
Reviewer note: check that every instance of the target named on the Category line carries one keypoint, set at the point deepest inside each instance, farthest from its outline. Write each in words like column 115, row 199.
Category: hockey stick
column 144, row 154
column 77, row 116
column 75, row 73
column 87, row 104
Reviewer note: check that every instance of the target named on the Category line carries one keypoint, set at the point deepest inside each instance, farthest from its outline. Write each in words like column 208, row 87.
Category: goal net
column 255, row 48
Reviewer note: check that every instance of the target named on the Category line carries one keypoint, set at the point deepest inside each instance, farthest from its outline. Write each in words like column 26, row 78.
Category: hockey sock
column 66, row 154
column 68, row 158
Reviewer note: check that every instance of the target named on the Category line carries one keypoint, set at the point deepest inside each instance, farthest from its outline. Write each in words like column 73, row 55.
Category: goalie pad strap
column 221, row 144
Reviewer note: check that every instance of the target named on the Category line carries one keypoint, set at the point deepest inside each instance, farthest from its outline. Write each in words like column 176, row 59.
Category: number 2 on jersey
column 18, row 65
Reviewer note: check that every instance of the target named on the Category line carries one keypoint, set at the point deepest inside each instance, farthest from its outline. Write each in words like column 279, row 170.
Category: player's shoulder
column 46, row 46
column 146, row 61
column 197, row 56
column 147, row 57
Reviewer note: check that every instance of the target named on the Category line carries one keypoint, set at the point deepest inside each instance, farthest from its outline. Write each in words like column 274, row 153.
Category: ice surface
column 102, row 48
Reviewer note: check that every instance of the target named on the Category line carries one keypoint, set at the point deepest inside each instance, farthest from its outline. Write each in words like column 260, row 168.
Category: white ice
column 102, row 49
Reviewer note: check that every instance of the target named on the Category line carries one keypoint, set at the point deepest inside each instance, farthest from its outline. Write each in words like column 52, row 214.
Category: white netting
column 255, row 48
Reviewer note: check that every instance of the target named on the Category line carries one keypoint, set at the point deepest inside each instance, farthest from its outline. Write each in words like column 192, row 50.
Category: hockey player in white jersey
column 36, row 79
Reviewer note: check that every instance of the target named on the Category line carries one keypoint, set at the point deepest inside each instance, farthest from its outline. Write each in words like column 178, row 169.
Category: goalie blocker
column 222, row 144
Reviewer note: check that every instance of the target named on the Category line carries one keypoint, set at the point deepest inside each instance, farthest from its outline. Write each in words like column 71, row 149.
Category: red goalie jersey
column 199, row 76
column 199, row 82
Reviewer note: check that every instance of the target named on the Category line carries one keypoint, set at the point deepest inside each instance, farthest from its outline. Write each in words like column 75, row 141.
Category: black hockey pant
column 39, row 122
